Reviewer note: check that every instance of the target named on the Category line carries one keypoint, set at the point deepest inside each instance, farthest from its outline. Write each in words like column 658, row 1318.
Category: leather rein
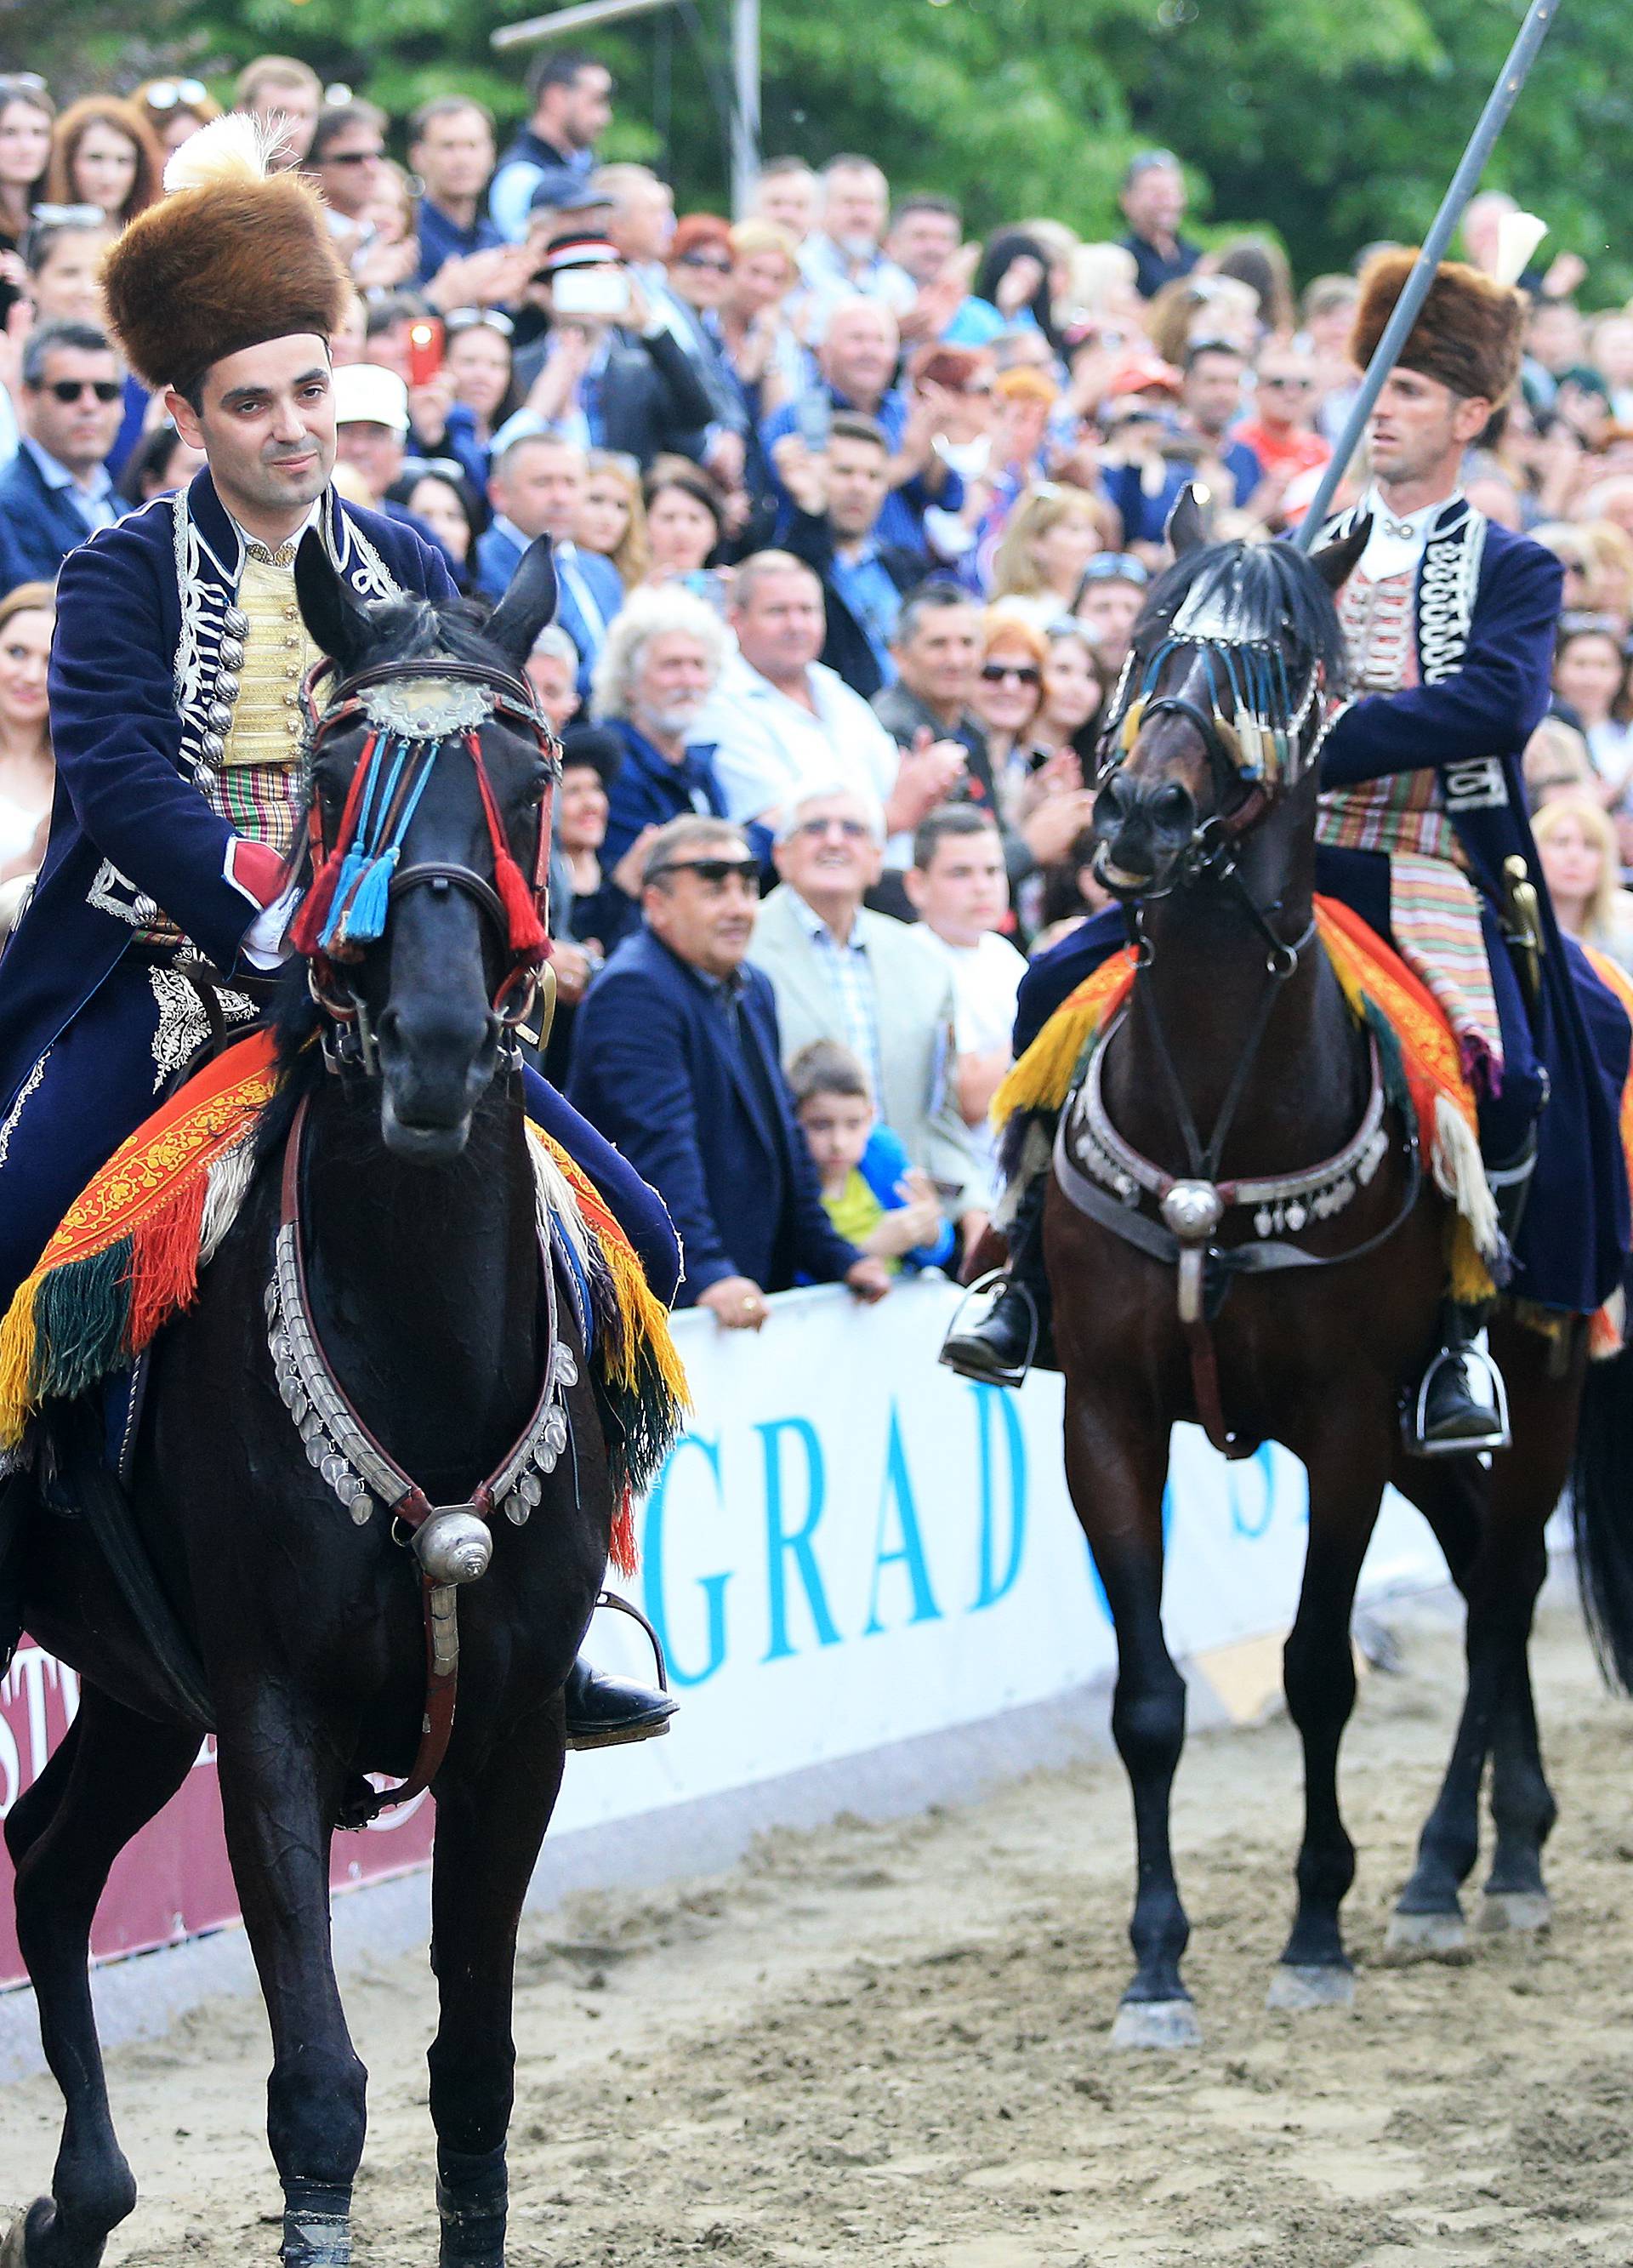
column 451, row 1544
column 1192, row 1206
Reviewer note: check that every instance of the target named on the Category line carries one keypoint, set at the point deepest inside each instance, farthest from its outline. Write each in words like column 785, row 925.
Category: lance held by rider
column 1449, row 622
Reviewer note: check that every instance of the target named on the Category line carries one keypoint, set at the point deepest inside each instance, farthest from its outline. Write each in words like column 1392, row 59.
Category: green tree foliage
column 1330, row 121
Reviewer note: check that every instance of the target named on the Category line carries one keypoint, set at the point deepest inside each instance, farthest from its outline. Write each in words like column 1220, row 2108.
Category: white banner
column 851, row 1546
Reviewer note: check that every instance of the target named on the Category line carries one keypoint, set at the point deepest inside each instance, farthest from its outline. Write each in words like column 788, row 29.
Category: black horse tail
column 1602, row 1499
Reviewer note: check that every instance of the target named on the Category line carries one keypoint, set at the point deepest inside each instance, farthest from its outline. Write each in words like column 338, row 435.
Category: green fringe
column 1391, row 1061
column 648, row 1424
column 82, row 1323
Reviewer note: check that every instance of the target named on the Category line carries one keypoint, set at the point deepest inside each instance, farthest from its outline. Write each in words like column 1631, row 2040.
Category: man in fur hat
column 177, row 727
column 1450, row 624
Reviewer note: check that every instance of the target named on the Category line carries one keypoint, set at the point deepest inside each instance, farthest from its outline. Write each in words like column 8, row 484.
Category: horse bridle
column 348, row 1040
column 1211, row 850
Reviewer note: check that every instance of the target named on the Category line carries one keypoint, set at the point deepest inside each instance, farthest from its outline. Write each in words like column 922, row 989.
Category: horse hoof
column 1299, row 1984
column 1166, row 2024
column 1526, row 1912
column 1425, row 1937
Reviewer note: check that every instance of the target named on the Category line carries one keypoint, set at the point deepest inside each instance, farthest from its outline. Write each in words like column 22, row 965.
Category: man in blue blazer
column 535, row 490
column 676, row 1059
column 175, row 711
column 56, row 490
column 1450, row 622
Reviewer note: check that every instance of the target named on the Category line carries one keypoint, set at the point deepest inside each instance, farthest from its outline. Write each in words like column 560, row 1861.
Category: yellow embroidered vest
column 257, row 788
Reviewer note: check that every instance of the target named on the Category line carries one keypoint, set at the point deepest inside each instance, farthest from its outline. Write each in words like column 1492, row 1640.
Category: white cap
column 367, row 393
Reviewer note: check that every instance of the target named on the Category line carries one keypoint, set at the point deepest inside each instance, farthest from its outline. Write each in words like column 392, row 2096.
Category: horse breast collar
column 451, row 1543
column 1192, row 1209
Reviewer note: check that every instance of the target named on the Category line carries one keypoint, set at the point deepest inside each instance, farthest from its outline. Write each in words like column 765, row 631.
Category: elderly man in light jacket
column 841, row 972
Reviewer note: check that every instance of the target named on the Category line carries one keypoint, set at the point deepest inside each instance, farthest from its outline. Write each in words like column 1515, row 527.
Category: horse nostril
column 1172, row 807
column 1113, row 795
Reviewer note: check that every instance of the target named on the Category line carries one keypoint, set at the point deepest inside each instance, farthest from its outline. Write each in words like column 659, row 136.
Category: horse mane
column 408, row 628
column 1272, row 591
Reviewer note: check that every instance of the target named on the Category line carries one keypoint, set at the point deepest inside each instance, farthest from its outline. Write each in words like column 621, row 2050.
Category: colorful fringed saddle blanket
column 1423, row 1064
column 127, row 1258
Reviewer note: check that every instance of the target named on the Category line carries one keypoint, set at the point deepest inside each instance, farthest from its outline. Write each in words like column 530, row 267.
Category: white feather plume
column 1517, row 237
column 236, row 148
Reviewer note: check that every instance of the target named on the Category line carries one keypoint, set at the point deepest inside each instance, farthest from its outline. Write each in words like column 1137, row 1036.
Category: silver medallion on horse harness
column 427, row 707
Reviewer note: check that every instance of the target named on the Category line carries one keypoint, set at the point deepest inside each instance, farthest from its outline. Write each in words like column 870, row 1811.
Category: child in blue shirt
column 872, row 1196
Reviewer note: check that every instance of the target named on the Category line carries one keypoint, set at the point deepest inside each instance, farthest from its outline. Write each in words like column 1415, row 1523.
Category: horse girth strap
column 450, row 1542
column 1195, row 1259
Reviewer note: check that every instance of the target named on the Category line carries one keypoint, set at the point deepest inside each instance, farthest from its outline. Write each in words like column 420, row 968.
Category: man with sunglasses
column 57, row 489
column 677, row 1058
column 1287, row 399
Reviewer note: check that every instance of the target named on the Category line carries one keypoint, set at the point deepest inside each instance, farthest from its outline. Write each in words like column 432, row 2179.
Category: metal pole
column 745, row 112
column 1493, row 118
column 563, row 20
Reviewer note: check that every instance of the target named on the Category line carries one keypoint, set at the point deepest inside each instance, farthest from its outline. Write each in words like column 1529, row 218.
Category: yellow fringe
column 17, row 1351
column 646, row 1318
column 644, row 1314
column 1042, row 1078
column 1471, row 1278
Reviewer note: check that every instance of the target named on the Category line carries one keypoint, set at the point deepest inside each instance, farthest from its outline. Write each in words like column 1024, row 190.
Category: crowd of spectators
column 852, row 518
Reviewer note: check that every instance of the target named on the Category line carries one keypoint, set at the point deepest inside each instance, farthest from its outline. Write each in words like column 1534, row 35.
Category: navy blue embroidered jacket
column 140, row 701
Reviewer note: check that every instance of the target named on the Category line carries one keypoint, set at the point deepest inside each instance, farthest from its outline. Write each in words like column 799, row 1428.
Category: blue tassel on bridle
column 363, row 892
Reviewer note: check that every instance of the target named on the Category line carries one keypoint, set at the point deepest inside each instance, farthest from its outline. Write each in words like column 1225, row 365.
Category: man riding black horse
column 1450, row 622
column 177, row 726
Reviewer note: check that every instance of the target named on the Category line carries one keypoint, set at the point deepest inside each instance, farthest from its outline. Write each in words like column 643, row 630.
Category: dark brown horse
column 1236, row 1026
column 417, row 1204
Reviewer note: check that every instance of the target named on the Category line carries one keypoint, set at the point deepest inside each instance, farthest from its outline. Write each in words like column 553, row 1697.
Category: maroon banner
column 173, row 1880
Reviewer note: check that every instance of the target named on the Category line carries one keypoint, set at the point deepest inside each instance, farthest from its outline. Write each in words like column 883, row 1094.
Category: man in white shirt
column 844, row 257
column 779, row 720
column 842, row 972
column 958, row 887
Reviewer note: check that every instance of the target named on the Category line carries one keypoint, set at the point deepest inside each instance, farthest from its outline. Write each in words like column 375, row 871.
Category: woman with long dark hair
column 1014, row 277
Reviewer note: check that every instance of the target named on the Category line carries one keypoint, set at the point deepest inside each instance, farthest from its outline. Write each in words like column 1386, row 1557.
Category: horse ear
column 338, row 622
column 1185, row 530
column 526, row 606
column 1335, row 563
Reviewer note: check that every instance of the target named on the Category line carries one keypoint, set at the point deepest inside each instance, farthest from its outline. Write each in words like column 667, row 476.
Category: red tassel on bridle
column 312, row 917
column 527, row 941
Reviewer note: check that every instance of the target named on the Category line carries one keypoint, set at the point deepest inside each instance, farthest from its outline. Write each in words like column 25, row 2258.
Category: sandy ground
column 891, row 2044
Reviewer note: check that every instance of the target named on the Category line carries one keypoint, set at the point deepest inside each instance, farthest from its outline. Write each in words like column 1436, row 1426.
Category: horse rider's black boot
column 604, row 1713
column 1461, row 1406
column 1002, row 1348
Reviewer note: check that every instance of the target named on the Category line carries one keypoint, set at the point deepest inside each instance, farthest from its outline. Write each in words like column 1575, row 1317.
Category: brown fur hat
column 231, row 256
column 1468, row 333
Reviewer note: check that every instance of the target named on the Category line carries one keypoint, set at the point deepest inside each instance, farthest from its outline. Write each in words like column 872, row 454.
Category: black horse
column 1238, row 1028
column 417, row 1205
